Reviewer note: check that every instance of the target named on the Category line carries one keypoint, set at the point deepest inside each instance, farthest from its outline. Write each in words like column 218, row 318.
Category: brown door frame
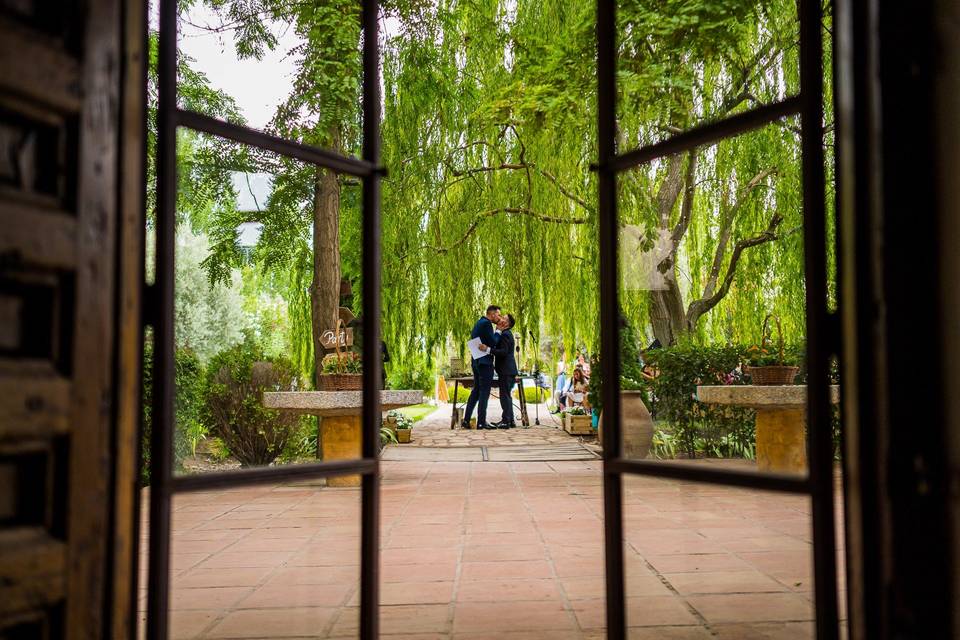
column 897, row 82
column 822, row 343
column 160, row 299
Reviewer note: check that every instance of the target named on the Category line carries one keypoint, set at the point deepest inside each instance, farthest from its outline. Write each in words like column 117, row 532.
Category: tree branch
column 726, row 226
column 686, row 209
column 703, row 305
column 525, row 166
column 480, row 217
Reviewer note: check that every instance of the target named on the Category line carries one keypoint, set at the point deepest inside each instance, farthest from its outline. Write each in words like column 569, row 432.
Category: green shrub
column 188, row 428
column 462, row 394
column 233, row 403
column 532, row 395
column 630, row 369
column 691, row 427
column 416, row 378
column 303, row 444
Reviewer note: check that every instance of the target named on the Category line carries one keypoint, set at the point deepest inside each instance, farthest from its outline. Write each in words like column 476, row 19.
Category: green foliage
column 348, row 363
column 767, row 354
column 462, row 394
column 533, row 395
column 415, row 378
column 233, row 403
column 631, row 371
column 387, row 436
column 188, row 399
column 208, row 317
column 188, row 428
column 489, row 125
column 664, row 445
column 402, row 421
column 417, row 412
column 691, row 427
column 303, row 445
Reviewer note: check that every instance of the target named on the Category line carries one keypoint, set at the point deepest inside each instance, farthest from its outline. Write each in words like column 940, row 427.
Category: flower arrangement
column 349, row 363
column 766, row 365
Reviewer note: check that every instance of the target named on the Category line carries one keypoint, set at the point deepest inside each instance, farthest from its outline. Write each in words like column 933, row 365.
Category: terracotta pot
column 636, row 426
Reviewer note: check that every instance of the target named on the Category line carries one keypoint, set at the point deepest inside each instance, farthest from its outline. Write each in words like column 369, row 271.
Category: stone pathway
column 505, row 453
column 434, row 431
column 492, row 550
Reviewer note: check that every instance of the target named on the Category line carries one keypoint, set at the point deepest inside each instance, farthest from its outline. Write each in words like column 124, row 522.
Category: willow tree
column 302, row 217
column 489, row 129
column 482, row 204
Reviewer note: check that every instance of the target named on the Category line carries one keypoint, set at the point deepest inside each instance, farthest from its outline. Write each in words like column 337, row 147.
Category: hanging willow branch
column 463, row 174
column 699, row 307
column 489, row 214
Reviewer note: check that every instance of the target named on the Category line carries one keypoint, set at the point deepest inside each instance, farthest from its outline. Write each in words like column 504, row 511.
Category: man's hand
column 483, row 347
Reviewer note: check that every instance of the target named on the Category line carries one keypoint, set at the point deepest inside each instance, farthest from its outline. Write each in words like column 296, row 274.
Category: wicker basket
column 339, row 381
column 774, row 375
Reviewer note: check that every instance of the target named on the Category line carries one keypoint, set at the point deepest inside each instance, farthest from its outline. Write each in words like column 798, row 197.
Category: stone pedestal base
column 781, row 440
column 340, row 440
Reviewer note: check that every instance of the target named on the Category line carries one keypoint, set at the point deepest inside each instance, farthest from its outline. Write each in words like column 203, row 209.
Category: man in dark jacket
column 482, row 368
column 506, row 367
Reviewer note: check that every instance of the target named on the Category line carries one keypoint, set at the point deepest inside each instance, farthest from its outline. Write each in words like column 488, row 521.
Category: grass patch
column 417, row 412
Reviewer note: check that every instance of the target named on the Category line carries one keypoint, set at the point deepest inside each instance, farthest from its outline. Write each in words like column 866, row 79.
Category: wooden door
column 68, row 408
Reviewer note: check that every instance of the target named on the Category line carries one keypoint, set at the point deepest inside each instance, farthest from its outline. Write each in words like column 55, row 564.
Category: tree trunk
column 666, row 306
column 666, row 313
column 325, row 290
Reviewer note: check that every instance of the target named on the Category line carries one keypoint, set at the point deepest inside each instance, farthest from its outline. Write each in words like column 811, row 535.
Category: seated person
column 560, row 388
column 577, row 389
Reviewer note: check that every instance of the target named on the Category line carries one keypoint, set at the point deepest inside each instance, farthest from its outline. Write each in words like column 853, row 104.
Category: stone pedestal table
column 781, row 420
column 340, row 418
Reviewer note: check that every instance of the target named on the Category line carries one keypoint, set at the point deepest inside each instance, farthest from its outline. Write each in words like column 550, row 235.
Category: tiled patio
column 492, row 550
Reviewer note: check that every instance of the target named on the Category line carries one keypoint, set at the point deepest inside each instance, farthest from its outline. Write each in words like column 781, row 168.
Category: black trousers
column 480, row 394
column 506, row 402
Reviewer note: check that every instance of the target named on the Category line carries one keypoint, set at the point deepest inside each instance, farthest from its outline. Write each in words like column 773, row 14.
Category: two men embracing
column 494, row 330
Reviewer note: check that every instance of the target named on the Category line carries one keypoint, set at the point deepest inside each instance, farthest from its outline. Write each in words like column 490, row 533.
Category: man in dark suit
column 506, row 367
column 482, row 368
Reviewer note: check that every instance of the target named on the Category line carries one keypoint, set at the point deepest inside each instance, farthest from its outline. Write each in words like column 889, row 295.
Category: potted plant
column 389, row 423
column 767, row 366
column 577, row 422
column 404, row 426
column 636, row 424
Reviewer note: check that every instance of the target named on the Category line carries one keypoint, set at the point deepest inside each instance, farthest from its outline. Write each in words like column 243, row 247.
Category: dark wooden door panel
column 61, row 97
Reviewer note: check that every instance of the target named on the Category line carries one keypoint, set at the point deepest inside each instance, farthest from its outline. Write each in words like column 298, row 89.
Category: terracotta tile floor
column 509, row 551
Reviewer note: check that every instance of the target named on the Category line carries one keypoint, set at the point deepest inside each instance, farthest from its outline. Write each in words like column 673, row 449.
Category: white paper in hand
column 475, row 351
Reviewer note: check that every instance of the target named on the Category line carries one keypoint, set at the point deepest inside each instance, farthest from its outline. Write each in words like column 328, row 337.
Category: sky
column 258, row 86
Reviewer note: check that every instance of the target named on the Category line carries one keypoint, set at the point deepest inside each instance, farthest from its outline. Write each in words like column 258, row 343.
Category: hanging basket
column 773, row 375
column 339, row 381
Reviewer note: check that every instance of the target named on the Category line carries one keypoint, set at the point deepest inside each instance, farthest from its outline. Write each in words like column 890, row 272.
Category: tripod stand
column 536, row 377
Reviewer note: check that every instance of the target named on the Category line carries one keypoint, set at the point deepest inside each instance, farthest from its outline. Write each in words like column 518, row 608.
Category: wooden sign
column 329, row 338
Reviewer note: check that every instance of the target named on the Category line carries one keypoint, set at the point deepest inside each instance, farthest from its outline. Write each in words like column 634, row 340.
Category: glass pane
column 705, row 559
column 259, row 291
column 713, row 297
column 272, row 561
column 284, row 70
column 684, row 65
